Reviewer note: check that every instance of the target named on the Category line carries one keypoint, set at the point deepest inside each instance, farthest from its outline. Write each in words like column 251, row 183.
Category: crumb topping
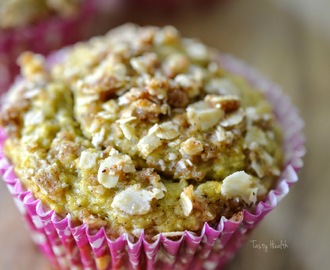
column 140, row 125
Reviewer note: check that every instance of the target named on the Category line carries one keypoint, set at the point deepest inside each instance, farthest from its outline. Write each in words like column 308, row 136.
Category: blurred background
column 289, row 42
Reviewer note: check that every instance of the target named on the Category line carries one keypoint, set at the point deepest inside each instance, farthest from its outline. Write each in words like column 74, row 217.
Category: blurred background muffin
column 17, row 13
column 45, row 25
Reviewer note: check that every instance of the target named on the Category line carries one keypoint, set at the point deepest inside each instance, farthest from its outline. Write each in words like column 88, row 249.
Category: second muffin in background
column 43, row 26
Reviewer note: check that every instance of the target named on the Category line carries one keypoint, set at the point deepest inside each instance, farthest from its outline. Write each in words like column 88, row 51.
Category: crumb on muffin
column 141, row 129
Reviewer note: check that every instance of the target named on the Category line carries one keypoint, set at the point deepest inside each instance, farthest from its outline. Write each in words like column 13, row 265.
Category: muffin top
column 16, row 13
column 140, row 129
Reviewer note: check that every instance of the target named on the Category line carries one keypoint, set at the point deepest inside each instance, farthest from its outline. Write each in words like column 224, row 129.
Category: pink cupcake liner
column 51, row 34
column 77, row 247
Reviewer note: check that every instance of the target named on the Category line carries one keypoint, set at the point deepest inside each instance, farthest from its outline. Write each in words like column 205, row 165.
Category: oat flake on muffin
column 141, row 129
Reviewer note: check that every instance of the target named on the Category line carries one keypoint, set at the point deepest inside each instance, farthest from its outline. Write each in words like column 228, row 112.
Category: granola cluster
column 16, row 13
column 141, row 129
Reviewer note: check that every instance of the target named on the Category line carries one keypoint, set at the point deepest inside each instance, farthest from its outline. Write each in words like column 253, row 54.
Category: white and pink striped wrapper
column 51, row 34
column 76, row 247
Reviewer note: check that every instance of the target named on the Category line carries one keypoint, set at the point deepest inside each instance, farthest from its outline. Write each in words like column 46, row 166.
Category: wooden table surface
column 292, row 52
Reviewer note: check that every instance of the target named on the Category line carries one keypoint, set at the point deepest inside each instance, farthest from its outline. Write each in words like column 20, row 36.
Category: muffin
column 16, row 13
column 43, row 26
column 142, row 148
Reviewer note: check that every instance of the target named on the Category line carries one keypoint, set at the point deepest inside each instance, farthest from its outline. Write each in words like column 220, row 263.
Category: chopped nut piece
column 145, row 63
column 132, row 95
column 176, row 64
column 158, row 193
column 148, row 144
column 125, row 120
column 113, row 167
column 178, row 98
column 33, row 118
column 202, row 116
column 257, row 168
column 156, row 133
column 167, row 35
column 108, row 178
column 172, row 156
column 233, row 119
column 192, row 147
column 126, row 128
column 261, row 162
column 137, row 232
column 98, row 137
column 162, row 164
column 32, row 64
column 196, row 50
column 190, row 86
column 168, row 234
column 105, row 80
column 147, row 110
column 157, row 88
column 240, row 184
column 186, row 200
column 227, row 103
column 221, row 86
column 255, row 134
column 220, row 134
column 167, row 130
column 87, row 159
column 183, row 164
column 252, row 114
column 153, row 129
column 133, row 200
